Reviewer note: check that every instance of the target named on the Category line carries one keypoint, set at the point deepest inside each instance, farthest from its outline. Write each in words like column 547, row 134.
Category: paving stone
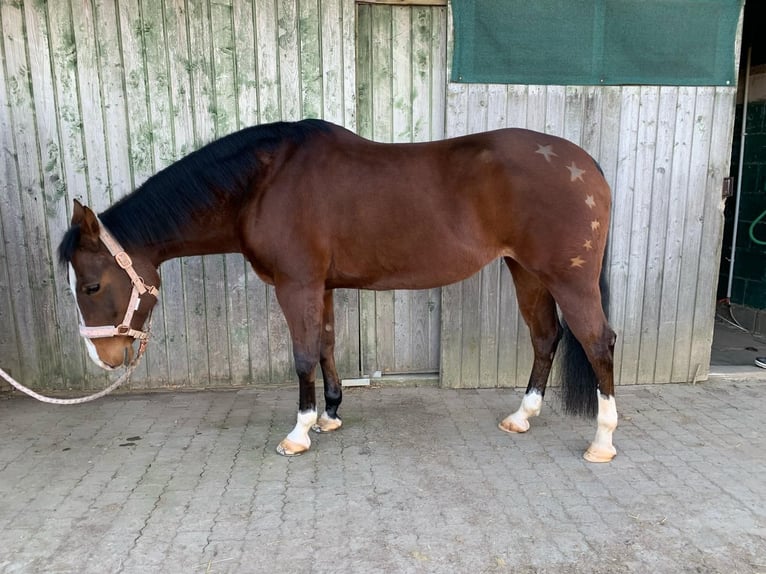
column 417, row 480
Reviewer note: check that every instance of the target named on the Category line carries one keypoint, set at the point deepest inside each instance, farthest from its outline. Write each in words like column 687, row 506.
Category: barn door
column 401, row 97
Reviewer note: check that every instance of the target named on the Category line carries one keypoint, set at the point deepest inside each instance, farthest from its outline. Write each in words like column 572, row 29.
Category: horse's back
column 424, row 214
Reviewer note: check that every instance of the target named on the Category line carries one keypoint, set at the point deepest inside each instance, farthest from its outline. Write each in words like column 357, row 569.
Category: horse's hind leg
column 333, row 393
column 585, row 318
column 539, row 311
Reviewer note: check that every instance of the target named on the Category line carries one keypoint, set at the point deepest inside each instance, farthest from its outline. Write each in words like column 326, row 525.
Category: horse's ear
column 83, row 216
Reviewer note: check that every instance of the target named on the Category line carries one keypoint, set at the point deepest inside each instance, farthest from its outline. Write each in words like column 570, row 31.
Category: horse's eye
column 92, row 288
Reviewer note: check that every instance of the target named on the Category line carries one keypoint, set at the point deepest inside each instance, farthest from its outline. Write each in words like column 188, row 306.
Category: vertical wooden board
column 470, row 332
column 591, row 129
column 140, row 148
column 424, row 344
column 179, row 334
column 421, row 64
column 574, row 114
column 245, row 64
column 331, row 61
column 674, row 240
column 346, row 304
column 434, row 328
column 37, row 285
column 267, row 58
column 364, row 71
column 348, row 15
column 139, row 123
column 508, row 332
column 234, row 319
column 54, row 189
column 489, row 324
column 156, row 54
column 252, row 299
column 438, row 67
column 14, row 354
column 385, row 332
column 310, row 50
column 401, row 74
column 656, row 231
column 537, row 105
column 457, row 118
column 555, row 107
column 623, row 192
column 402, row 351
column 258, row 320
column 497, row 106
column 237, row 320
column 382, row 73
column 640, row 221
column 114, row 110
column 517, row 106
column 61, row 41
column 608, row 155
column 205, row 295
column 451, row 336
column 476, row 120
column 722, row 123
column 683, row 370
column 367, row 332
column 223, row 66
column 89, row 88
column 280, row 344
column 289, row 60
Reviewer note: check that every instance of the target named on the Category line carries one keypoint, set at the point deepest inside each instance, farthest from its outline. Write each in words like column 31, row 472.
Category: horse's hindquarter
column 383, row 216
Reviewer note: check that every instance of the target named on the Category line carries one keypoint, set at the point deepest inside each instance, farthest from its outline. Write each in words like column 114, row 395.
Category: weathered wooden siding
column 97, row 96
column 401, row 67
column 665, row 151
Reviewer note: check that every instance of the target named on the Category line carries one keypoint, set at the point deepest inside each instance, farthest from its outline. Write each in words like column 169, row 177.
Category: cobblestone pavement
column 417, row 480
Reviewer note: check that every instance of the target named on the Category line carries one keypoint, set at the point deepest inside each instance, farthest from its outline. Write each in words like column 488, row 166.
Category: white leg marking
column 300, row 434
column 530, row 407
column 92, row 352
column 602, row 450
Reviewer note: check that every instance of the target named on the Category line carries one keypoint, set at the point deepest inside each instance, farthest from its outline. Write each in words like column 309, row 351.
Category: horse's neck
column 216, row 234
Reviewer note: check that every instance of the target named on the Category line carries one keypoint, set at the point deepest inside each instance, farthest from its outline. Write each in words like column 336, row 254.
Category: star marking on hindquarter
column 590, row 202
column 546, row 151
column 588, row 244
column 575, row 172
column 577, row 261
column 595, row 224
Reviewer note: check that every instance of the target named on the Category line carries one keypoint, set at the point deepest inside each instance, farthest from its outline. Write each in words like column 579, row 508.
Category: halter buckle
column 123, row 260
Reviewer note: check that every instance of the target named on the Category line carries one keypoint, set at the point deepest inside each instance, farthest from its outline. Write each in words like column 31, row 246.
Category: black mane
column 160, row 208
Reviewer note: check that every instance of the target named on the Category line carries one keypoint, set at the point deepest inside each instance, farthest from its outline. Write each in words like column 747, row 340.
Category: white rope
column 76, row 401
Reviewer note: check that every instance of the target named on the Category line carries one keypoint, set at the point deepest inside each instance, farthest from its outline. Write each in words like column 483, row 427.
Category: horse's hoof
column 599, row 453
column 511, row 426
column 327, row 424
column 290, row 448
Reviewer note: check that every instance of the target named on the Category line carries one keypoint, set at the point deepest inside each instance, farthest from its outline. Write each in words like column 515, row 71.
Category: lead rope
column 54, row 401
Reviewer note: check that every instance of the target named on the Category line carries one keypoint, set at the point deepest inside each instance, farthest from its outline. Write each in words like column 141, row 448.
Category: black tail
column 578, row 380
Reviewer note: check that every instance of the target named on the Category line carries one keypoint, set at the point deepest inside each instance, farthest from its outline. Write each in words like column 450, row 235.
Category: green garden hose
column 752, row 229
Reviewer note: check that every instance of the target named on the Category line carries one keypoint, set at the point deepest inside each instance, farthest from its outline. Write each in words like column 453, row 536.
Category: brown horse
column 313, row 207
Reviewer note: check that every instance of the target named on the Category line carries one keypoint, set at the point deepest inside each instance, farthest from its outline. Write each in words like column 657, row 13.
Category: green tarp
column 596, row 42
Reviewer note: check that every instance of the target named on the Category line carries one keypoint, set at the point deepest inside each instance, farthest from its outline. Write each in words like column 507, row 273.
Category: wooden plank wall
column 97, row 96
column 401, row 74
column 665, row 151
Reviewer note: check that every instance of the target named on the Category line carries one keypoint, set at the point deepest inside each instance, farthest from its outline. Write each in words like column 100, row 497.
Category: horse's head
column 115, row 292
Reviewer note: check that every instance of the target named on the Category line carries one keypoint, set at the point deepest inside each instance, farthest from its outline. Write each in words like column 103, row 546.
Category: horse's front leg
column 303, row 308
